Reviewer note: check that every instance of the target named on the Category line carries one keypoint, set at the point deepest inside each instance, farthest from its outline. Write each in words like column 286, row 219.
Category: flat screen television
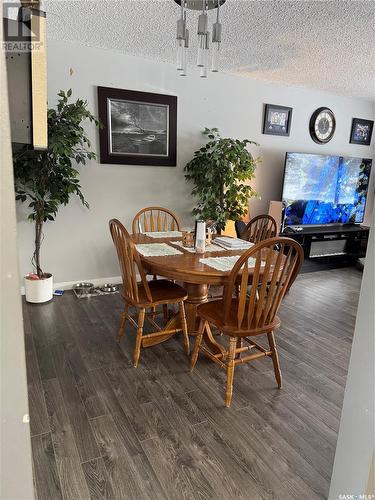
column 322, row 189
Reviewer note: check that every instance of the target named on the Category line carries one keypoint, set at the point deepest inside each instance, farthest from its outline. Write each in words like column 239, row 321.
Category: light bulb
column 201, row 50
column 215, row 57
column 203, row 72
column 184, row 61
column 180, row 52
column 206, row 52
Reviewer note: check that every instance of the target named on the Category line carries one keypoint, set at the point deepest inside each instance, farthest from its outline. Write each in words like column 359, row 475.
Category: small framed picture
column 277, row 120
column 140, row 128
column 361, row 131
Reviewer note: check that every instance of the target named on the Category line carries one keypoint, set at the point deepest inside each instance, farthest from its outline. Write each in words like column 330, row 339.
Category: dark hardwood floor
column 102, row 429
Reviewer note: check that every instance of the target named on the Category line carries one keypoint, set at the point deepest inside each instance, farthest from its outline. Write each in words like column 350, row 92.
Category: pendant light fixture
column 216, row 41
column 203, row 55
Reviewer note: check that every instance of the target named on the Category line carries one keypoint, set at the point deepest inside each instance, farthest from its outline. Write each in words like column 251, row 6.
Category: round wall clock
column 322, row 125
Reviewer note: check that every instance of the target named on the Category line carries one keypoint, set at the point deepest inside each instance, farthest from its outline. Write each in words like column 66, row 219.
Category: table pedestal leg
column 172, row 324
column 197, row 294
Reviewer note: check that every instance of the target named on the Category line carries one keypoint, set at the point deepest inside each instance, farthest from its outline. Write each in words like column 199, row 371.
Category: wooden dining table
column 186, row 267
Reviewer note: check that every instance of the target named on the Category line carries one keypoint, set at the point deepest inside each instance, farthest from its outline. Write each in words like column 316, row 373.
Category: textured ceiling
column 328, row 45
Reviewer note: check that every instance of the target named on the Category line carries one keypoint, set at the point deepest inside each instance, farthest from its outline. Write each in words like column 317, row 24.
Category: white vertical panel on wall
column 353, row 466
column 16, row 481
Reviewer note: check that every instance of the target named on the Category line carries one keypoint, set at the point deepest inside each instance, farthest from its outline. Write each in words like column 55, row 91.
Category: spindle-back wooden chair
column 261, row 227
column 155, row 219
column 145, row 294
column 272, row 266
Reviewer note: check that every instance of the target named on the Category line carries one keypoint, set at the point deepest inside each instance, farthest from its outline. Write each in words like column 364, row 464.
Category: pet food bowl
column 82, row 288
column 108, row 287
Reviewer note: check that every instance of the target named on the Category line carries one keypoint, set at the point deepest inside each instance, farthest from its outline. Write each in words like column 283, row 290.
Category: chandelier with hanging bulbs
column 203, row 36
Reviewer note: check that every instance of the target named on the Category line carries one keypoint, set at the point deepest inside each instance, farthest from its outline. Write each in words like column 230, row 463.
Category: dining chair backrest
column 261, row 227
column 240, row 227
column 271, row 266
column 151, row 219
column 130, row 262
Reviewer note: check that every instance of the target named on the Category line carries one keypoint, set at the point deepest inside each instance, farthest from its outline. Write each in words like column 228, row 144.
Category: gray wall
column 77, row 246
column 15, row 465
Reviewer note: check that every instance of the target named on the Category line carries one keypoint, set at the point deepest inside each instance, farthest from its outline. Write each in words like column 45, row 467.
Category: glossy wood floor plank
column 47, row 480
column 73, row 483
column 37, row 409
column 104, row 430
column 212, row 463
column 172, row 457
column 229, row 435
column 37, row 406
column 126, row 479
column 87, row 390
column 297, row 476
column 84, row 439
column 129, row 404
column 98, row 481
column 45, row 361
column 92, row 337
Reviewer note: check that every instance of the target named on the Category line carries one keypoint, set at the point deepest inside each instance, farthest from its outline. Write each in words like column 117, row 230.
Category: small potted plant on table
column 220, row 171
column 47, row 179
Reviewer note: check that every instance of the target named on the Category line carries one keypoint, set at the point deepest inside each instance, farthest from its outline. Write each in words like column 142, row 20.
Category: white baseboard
column 68, row 285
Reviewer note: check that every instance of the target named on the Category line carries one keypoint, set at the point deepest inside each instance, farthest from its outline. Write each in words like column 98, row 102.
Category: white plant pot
column 38, row 291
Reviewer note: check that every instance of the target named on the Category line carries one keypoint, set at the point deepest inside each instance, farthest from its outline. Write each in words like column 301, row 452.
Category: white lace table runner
column 209, row 248
column 225, row 263
column 157, row 250
column 163, row 234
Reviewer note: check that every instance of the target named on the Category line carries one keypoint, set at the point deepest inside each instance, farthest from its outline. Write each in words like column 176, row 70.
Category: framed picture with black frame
column 139, row 128
column 277, row 120
column 361, row 131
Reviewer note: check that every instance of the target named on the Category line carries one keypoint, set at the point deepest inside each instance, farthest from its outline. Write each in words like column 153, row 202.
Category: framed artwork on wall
column 361, row 131
column 277, row 120
column 140, row 128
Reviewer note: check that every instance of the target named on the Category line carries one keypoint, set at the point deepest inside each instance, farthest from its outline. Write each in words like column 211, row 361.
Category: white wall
column 352, row 468
column 15, row 456
column 77, row 246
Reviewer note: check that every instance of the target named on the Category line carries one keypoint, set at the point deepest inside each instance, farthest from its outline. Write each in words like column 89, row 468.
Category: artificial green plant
column 220, row 172
column 47, row 178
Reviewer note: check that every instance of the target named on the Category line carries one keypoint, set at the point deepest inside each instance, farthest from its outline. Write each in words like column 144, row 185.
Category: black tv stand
column 332, row 241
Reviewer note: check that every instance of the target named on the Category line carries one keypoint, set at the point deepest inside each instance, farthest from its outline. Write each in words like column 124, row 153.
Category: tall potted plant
column 46, row 179
column 220, row 171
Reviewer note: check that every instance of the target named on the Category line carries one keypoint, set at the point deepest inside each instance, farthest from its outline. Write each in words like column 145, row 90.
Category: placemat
column 163, row 234
column 157, row 250
column 225, row 263
column 209, row 248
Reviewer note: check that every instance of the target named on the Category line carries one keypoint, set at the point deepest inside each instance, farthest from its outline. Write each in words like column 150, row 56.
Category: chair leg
column 138, row 340
column 230, row 371
column 238, row 346
column 153, row 309
column 165, row 312
column 275, row 359
column 198, row 342
column 123, row 318
column 181, row 308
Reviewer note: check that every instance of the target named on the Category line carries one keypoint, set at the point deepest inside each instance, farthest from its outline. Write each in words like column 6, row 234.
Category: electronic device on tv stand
column 293, row 229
